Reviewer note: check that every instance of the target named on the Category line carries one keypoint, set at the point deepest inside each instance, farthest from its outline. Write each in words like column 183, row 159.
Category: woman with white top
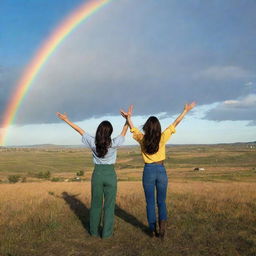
column 104, row 181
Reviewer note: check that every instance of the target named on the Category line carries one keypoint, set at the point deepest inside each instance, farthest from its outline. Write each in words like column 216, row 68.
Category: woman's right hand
column 63, row 117
column 127, row 114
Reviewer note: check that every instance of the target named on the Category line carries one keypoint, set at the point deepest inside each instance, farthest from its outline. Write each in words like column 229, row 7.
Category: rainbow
column 59, row 34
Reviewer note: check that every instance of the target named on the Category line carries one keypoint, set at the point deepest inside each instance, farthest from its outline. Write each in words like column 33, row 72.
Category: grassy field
column 211, row 212
column 221, row 162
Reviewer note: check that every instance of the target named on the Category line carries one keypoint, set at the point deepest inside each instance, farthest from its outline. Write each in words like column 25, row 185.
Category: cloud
column 115, row 59
column 243, row 108
column 252, row 123
column 246, row 102
column 249, row 84
column 225, row 73
column 8, row 77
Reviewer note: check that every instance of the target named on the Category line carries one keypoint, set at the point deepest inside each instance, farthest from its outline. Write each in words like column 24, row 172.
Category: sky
column 157, row 55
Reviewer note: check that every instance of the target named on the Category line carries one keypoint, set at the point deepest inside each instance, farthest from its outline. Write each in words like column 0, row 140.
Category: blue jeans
column 154, row 176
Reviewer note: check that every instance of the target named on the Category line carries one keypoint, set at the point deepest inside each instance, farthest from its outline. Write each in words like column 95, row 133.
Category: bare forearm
column 125, row 128
column 187, row 108
column 75, row 127
column 179, row 118
column 129, row 121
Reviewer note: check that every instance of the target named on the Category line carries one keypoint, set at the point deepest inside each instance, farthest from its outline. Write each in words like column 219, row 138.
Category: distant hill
column 252, row 142
column 54, row 146
column 45, row 146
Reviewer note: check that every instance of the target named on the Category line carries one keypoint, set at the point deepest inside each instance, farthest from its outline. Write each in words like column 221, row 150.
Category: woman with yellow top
column 152, row 144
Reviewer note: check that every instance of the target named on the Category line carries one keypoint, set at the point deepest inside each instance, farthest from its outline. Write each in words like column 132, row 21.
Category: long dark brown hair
column 151, row 140
column 103, row 138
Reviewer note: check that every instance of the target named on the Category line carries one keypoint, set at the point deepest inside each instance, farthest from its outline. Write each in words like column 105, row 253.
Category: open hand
column 128, row 113
column 63, row 117
column 189, row 106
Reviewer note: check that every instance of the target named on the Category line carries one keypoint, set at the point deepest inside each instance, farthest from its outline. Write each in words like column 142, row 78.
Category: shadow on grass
column 82, row 212
column 127, row 217
column 79, row 209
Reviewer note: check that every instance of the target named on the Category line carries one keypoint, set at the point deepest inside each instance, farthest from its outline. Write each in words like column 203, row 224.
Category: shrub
column 55, row 179
column 43, row 175
column 80, row 173
column 24, row 179
column 13, row 178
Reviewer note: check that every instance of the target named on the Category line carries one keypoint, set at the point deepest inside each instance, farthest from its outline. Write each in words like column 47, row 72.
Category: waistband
column 104, row 167
column 156, row 163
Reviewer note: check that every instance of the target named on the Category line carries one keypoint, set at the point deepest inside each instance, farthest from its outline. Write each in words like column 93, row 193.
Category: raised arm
column 125, row 128
column 137, row 135
column 130, row 123
column 127, row 115
column 64, row 117
column 187, row 108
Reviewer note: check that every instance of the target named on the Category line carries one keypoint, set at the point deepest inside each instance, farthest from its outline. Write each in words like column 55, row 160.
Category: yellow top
column 160, row 154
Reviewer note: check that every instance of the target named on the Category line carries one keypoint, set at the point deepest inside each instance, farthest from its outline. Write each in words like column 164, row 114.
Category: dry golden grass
column 204, row 219
column 210, row 213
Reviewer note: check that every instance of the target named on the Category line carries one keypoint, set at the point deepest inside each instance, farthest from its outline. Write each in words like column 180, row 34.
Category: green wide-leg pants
column 103, row 187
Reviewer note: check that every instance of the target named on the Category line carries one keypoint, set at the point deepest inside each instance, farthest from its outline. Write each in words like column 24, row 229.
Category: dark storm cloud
column 8, row 77
column 158, row 58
